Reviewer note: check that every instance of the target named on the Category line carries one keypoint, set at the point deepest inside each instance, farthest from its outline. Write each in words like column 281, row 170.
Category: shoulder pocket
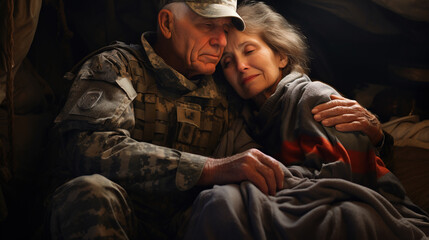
column 102, row 90
column 97, row 101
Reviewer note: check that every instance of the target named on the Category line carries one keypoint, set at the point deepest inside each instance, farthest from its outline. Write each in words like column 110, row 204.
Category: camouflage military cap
column 216, row 9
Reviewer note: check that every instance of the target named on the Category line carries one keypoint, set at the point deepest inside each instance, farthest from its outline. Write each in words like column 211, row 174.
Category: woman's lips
column 248, row 79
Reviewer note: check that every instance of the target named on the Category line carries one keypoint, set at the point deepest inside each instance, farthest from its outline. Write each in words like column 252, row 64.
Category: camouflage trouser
column 92, row 207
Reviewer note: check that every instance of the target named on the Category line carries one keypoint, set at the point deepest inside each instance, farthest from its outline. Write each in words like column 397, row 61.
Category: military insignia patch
column 188, row 115
column 90, row 99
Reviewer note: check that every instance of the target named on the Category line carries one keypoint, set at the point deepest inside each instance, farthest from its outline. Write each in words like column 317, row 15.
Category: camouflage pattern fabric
column 221, row 2
column 91, row 195
column 191, row 121
column 100, row 114
column 213, row 9
column 95, row 129
column 217, row 8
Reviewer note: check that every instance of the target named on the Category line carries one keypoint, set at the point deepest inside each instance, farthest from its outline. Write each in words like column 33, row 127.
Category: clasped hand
column 252, row 165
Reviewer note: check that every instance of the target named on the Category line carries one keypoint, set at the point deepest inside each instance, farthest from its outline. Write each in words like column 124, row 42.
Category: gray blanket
column 336, row 187
column 329, row 208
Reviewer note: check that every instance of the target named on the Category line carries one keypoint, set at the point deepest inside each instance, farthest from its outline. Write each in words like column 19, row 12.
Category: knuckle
column 270, row 172
column 363, row 121
column 253, row 151
column 335, row 102
column 328, row 122
column 350, row 117
column 355, row 107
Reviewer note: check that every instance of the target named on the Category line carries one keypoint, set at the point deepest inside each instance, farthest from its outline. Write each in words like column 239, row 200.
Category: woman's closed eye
column 249, row 50
column 225, row 62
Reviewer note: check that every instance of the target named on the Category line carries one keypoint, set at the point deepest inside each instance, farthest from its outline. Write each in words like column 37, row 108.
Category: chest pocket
column 199, row 125
column 188, row 123
column 194, row 125
column 154, row 121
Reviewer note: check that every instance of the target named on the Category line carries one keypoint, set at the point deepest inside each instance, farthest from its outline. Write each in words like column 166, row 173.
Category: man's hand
column 348, row 115
column 253, row 165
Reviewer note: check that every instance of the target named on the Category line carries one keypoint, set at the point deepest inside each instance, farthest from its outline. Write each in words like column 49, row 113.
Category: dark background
column 372, row 46
column 353, row 49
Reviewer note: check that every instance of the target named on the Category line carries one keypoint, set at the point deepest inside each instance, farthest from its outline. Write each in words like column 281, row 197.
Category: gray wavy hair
column 277, row 32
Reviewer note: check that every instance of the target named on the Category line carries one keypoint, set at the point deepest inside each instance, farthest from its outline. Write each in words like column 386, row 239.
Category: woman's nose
column 241, row 65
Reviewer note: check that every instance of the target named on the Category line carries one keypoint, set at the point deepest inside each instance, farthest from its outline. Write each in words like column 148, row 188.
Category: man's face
column 199, row 42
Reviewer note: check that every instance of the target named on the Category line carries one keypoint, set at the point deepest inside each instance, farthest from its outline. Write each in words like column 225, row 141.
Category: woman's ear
column 283, row 61
column 165, row 18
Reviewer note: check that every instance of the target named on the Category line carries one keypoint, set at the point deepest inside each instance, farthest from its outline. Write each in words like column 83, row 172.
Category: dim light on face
column 250, row 65
column 200, row 41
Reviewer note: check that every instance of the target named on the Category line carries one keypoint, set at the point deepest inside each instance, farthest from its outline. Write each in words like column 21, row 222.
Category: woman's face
column 251, row 66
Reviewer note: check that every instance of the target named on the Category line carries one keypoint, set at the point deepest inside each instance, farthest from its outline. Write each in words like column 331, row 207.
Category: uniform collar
column 167, row 76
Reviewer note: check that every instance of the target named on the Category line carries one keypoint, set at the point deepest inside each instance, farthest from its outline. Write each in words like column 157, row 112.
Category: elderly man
column 143, row 120
column 138, row 134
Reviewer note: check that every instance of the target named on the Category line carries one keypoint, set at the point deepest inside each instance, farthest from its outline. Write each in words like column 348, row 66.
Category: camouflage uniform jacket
column 99, row 130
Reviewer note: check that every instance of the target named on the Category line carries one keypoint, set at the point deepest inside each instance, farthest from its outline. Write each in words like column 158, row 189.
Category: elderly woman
column 267, row 64
column 336, row 187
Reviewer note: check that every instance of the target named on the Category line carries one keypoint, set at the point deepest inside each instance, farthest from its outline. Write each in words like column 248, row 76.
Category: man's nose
column 218, row 38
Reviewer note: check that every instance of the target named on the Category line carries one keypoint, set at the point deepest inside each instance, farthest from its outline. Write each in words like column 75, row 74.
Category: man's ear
column 165, row 22
column 283, row 61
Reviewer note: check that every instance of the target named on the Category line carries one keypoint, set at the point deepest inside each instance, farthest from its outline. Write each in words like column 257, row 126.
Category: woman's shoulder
column 307, row 90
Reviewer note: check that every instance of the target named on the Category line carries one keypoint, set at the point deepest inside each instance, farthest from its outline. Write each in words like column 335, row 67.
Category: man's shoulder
column 116, row 55
column 102, row 86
